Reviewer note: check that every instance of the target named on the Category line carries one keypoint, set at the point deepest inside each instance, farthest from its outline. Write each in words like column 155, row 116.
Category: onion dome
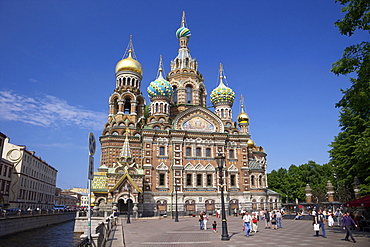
column 129, row 64
column 243, row 117
column 160, row 87
column 183, row 31
column 250, row 143
column 222, row 93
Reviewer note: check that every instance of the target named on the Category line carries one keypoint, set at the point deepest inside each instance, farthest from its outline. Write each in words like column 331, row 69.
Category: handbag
column 316, row 227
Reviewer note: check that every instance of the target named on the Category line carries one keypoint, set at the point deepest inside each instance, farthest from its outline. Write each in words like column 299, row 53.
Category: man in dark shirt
column 320, row 219
column 347, row 222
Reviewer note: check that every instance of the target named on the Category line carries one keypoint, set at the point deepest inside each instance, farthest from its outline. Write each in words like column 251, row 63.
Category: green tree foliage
column 350, row 153
column 291, row 183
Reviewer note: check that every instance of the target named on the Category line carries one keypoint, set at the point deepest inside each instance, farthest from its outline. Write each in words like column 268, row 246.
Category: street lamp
column 220, row 159
column 128, row 204
column 177, row 212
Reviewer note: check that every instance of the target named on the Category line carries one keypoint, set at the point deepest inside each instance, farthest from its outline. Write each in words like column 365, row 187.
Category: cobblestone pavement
column 165, row 232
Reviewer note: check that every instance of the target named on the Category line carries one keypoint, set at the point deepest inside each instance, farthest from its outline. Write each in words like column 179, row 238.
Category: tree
column 350, row 153
column 291, row 183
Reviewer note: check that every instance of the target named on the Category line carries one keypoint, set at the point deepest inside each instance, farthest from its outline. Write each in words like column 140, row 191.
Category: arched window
column 201, row 95
column 188, row 151
column 127, row 106
column 252, row 180
column 115, row 103
column 198, row 152
column 189, row 94
column 222, row 113
column 175, row 95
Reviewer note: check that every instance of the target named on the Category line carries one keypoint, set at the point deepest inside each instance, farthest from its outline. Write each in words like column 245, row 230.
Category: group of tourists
column 344, row 220
column 203, row 219
column 272, row 220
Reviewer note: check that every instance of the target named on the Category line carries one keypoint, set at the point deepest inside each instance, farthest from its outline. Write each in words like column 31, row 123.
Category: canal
column 60, row 235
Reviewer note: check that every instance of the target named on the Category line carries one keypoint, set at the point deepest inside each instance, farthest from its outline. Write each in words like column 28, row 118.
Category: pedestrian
column 267, row 217
column 338, row 215
column 254, row 222
column 347, row 222
column 218, row 213
column 201, row 222
column 235, row 212
column 330, row 219
column 273, row 221
column 205, row 220
column 279, row 219
column 214, row 226
column 320, row 220
column 247, row 223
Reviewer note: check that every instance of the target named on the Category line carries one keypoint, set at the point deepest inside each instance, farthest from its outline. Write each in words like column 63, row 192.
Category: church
column 158, row 153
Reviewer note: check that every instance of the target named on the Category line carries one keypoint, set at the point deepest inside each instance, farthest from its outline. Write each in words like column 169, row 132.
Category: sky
column 57, row 61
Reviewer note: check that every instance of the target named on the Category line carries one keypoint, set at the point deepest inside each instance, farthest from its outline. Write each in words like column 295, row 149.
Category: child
column 214, row 225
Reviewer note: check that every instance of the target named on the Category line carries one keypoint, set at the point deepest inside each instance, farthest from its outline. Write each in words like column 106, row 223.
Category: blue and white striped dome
column 160, row 87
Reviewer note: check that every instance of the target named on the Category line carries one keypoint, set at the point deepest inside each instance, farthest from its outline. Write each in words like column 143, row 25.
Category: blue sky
column 57, row 61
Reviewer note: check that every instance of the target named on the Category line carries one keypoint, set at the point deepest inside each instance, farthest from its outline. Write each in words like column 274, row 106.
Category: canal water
column 60, row 235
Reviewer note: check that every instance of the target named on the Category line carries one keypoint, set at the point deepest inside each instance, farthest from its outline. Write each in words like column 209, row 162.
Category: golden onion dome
column 250, row 143
column 243, row 117
column 129, row 64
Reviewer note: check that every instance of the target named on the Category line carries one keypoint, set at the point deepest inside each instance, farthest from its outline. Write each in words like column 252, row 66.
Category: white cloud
column 48, row 111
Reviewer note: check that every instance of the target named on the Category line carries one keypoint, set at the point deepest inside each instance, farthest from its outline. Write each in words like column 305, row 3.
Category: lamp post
column 128, row 204
column 177, row 212
column 220, row 159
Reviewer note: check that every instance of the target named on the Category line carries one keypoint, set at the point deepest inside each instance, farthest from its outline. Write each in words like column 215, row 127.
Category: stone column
column 330, row 191
column 308, row 191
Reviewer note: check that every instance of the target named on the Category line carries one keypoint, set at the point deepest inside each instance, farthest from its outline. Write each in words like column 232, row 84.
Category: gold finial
column 221, row 69
column 127, row 131
column 160, row 64
column 242, row 102
column 183, row 19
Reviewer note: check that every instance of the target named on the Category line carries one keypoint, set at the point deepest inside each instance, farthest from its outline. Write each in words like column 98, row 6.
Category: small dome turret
column 222, row 93
column 160, row 87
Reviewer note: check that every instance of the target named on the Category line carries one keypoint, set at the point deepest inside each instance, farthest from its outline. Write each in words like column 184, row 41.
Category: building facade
column 33, row 181
column 155, row 154
column 6, row 169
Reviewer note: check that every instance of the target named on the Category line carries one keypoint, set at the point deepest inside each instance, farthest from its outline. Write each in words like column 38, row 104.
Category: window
column 189, row 94
column 175, row 95
column 188, row 179
column 209, row 179
column 161, row 150
column 232, row 180
column 161, row 179
column 208, row 152
column 127, row 107
column 252, row 180
column 188, row 151
column 198, row 152
column 231, row 154
column 199, row 179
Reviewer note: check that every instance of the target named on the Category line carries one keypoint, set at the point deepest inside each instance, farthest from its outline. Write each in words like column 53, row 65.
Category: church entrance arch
column 123, row 206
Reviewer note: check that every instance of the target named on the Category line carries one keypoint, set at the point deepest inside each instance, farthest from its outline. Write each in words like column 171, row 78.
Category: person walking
column 319, row 219
column 254, row 222
column 279, row 219
column 247, row 223
column 330, row 219
column 267, row 217
column 214, row 226
column 338, row 215
column 205, row 220
column 201, row 222
column 273, row 221
column 347, row 222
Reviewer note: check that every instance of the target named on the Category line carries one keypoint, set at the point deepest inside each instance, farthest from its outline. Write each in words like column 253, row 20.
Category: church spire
column 126, row 151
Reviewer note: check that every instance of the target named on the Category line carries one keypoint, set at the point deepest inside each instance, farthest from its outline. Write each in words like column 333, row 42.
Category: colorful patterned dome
column 183, row 32
column 222, row 93
column 160, row 87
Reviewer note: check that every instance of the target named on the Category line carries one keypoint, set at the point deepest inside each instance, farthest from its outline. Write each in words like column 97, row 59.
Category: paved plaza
column 165, row 232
